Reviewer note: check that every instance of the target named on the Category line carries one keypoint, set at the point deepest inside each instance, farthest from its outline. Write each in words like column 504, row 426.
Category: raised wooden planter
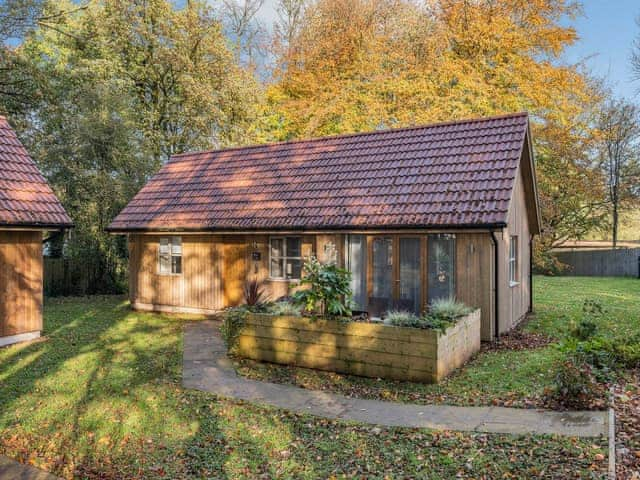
column 366, row 349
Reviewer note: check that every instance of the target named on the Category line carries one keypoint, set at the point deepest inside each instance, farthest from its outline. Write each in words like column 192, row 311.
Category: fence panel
column 624, row 262
column 65, row 277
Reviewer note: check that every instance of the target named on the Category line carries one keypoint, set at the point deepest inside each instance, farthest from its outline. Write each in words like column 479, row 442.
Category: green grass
column 511, row 378
column 101, row 398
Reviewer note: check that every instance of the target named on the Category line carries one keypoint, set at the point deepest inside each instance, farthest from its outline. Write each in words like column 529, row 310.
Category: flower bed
column 366, row 349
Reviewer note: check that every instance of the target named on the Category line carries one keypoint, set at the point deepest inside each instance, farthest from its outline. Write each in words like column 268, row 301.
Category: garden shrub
column 254, row 293
column 283, row 308
column 442, row 314
column 576, row 385
column 402, row 318
column 587, row 327
column 233, row 321
column 448, row 309
column 329, row 292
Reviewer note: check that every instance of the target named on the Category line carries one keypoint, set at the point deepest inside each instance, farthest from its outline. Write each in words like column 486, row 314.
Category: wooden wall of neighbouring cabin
column 20, row 282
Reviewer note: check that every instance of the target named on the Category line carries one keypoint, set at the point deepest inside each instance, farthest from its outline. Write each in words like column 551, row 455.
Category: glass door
column 356, row 263
column 409, row 294
column 381, row 298
column 441, row 266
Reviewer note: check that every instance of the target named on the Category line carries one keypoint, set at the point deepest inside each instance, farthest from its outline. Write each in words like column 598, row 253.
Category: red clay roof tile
column 26, row 199
column 455, row 174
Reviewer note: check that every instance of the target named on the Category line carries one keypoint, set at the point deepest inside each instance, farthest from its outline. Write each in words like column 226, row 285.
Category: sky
column 607, row 31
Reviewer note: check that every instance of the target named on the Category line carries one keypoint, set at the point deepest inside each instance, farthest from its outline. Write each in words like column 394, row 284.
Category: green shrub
column 283, row 308
column 448, row 309
column 576, row 385
column 254, row 293
column 329, row 292
column 587, row 327
column 233, row 321
column 442, row 314
column 402, row 318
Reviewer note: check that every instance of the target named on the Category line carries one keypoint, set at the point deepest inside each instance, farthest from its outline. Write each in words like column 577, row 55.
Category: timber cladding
column 20, row 282
column 365, row 349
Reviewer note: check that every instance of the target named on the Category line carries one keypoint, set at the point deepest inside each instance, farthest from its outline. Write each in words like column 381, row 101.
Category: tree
column 358, row 65
column 124, row 85
column 619, row 157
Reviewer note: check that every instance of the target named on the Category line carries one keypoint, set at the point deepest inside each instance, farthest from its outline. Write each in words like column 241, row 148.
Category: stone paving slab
column 12, row 470
column 207, row 368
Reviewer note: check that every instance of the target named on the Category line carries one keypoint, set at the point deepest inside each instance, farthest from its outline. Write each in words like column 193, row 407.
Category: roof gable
column 26, row 199
column 448, row 175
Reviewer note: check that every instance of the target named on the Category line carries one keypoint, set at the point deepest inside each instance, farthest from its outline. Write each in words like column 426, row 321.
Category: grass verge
column 102, row 398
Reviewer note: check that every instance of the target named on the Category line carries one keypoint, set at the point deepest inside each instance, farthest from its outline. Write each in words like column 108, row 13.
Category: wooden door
column 234, row 272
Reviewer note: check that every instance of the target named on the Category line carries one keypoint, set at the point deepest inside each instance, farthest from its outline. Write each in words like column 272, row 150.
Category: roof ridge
column 354, row 134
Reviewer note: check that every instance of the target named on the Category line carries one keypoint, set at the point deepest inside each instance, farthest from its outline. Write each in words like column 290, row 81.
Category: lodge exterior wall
column 20, row 285
column 215, row 268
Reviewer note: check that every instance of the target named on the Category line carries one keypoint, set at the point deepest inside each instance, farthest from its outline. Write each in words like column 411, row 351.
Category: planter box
column 366, row 349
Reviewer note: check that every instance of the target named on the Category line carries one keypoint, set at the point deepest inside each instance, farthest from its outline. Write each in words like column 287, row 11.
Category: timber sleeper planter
column 365, row 349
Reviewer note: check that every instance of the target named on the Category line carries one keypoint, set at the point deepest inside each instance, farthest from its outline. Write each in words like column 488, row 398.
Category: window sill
column 285, row 280
column 513, row 284
column 169, row 274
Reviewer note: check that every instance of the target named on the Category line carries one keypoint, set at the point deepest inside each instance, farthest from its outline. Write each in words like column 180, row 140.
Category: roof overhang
column 316, row 230
column 535, row 217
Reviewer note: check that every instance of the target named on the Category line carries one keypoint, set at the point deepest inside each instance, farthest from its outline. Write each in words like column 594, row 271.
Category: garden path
column 206, row 367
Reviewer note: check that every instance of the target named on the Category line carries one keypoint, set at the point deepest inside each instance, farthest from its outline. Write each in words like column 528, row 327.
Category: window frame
column 284, row 257
column 514, row 263
column 453, row 262
column 172, row 240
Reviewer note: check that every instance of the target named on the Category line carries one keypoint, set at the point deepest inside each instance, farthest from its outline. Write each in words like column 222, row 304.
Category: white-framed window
column 170, row 256
column 285, row 258
column 514, row 268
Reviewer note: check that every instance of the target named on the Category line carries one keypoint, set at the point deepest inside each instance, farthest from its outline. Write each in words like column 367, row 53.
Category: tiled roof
column 26, row 199
column 456, row 174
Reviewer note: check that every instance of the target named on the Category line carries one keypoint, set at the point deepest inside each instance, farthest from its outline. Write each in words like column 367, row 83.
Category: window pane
column 293, row 246
column 409, row 275
column 176, row 245
column 277, row 268
column 165, row 264
column 381, row 299
column 164, row 246
column 441, row 267
column 176, row 264
column 356, row 262
column 293, row 268
column 276, row 247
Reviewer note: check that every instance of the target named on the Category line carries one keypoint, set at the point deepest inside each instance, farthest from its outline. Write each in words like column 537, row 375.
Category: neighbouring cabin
column 28, row 209
column 414, row 214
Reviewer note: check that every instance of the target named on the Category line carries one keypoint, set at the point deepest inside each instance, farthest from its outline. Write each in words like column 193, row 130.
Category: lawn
column 515, row 378
column 101, row 398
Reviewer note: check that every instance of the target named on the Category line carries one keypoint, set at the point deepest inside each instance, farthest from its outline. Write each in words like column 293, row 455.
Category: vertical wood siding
column 474, row 276
column 514, row 300
column 199, row 285
column 20, row 282
column 215, row 269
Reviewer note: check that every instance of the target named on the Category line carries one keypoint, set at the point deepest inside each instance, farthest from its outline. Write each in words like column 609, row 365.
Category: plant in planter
column 254, row 293
column 328, row 292
column 442, row 314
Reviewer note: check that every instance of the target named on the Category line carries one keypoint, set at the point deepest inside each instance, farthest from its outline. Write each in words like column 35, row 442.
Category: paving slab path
column 206, row 367
column 12, row 470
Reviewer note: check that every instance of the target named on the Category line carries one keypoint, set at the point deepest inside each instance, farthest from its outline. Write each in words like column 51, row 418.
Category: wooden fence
column 64, row 276
column 624, row 262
